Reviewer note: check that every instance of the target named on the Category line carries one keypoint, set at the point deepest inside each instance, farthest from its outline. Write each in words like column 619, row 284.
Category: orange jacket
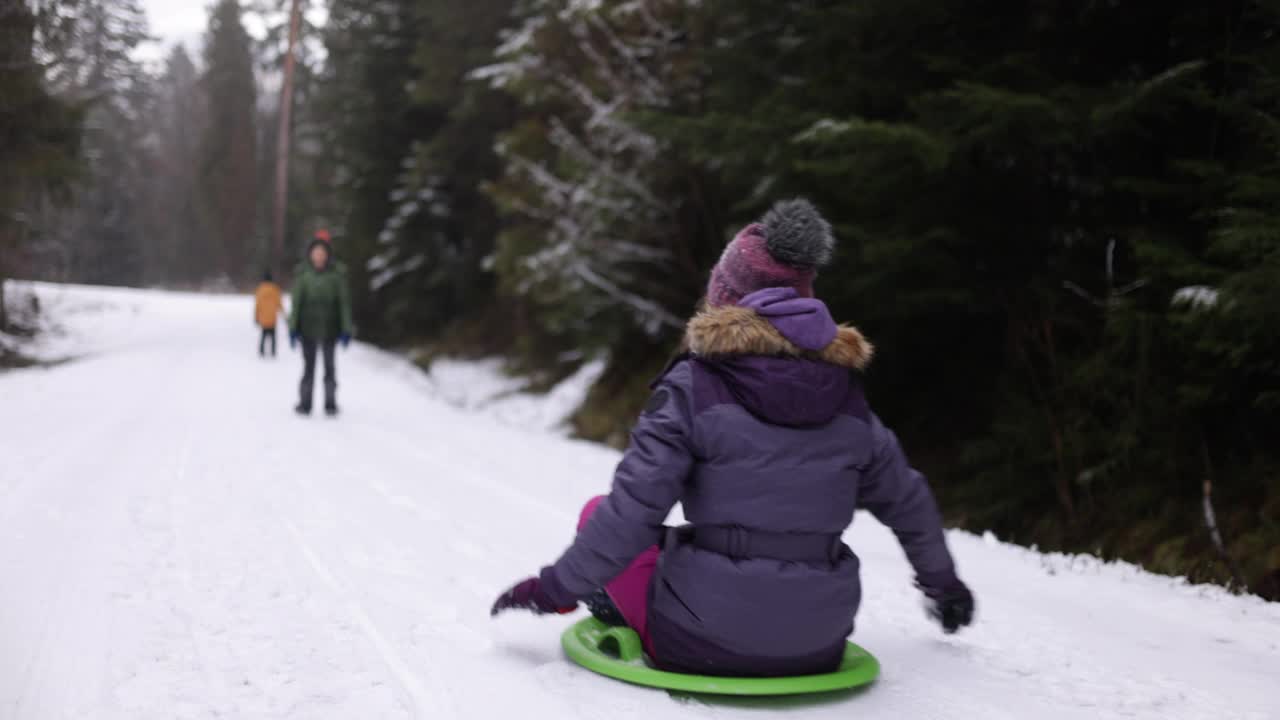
column 267, row 304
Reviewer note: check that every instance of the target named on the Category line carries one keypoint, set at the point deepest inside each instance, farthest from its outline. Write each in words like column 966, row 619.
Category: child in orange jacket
column 267, row 306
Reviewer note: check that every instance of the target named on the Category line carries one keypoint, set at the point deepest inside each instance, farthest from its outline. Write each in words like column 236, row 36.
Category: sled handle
column 622, row 643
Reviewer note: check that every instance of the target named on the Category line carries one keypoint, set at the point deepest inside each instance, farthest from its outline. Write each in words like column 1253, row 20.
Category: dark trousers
column 268, row 333
column 309, row 347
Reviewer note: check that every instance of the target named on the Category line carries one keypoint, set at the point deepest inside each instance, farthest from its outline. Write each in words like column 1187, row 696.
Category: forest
column 1057, row 220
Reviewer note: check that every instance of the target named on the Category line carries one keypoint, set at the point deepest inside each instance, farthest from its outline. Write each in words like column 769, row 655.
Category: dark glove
column 294, row 335
column 951, row 606
column 542, row 595
column 344, row 339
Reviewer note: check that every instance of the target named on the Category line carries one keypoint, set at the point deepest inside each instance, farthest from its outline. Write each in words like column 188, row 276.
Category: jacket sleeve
column 295, row 302
column 646, row 485
column 344, row 303
column 899, row 496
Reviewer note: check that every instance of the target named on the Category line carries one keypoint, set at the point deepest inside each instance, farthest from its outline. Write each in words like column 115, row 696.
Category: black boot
column 302, row 409
column 330, row 399
column 602, row 607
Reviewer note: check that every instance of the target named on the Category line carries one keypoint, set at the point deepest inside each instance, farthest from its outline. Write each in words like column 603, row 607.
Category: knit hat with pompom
column 784, row 249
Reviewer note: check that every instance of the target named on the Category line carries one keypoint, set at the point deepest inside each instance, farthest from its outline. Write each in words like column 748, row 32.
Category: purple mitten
column 541, row 595
column 951, row 605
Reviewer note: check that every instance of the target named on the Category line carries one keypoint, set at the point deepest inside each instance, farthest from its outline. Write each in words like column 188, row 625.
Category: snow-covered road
column 175, row 543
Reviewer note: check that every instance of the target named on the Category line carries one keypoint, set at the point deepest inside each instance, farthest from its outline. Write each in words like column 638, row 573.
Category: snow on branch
column 653, row 89
column 562, row 138
column 588, row 183
column 824, row 128
column 647, row 309
column 1198, row 297
column 388, row 273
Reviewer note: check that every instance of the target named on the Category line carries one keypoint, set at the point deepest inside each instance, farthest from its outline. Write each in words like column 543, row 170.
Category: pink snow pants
column 630, row 590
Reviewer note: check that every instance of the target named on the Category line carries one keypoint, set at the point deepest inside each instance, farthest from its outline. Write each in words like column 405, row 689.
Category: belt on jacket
column 741, row 543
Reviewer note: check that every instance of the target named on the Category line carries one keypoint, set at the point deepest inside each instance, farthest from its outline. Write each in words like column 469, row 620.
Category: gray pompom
column 797, row 235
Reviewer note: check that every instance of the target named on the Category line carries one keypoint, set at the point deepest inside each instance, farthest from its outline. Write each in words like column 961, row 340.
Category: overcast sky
column 183, row 21
column 172, row 21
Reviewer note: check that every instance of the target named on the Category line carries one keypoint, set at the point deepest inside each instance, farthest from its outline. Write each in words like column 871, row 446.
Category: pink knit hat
column 785, row 249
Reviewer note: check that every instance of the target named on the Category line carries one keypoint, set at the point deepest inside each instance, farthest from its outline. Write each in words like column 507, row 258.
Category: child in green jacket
column 320, row 317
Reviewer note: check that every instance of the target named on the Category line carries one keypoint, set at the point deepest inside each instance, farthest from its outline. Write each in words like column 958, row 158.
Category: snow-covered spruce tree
column 429, row 270
column 605, row 234
column 368, row 126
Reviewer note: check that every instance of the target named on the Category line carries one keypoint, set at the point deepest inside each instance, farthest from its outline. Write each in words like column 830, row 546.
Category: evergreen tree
column 228, row 151
column 1056, row 220
column 370, row 126
column 307, row 173
column 100, row 237
column 1030, row 198
column 39, row 132
column 609, row 229
column 178, row 247
column 429, row 270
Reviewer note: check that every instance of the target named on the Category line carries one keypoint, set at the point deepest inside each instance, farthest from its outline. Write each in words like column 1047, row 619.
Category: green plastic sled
column 616, row 652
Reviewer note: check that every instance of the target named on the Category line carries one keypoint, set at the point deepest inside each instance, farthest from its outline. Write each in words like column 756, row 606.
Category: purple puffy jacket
column 754, row 431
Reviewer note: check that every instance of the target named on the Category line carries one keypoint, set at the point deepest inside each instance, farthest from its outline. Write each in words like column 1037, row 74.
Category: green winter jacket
column 321, row 308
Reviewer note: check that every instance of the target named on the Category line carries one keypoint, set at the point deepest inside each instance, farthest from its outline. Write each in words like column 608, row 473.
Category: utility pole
column 283, row 139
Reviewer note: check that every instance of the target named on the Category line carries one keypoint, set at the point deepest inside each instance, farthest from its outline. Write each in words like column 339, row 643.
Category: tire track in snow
column 478, row 588
column 197, row 636
column 476, row 475
column 66, row 579
column 426, row 703
column 48, row 629
column 61, row 450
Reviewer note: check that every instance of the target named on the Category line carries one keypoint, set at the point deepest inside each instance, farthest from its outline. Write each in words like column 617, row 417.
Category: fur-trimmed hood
column 772, row 377
column 731, row 330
